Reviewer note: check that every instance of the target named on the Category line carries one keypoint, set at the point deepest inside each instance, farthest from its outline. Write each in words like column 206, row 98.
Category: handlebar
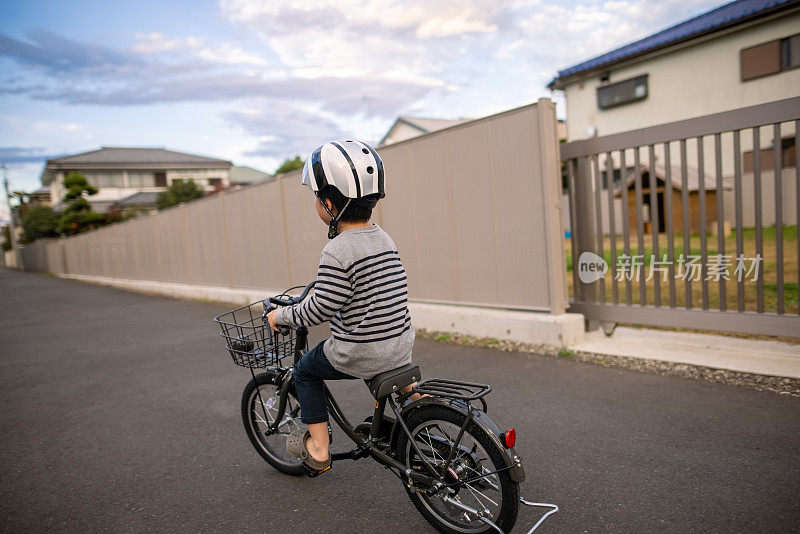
column 291, row 301
column 273, row 302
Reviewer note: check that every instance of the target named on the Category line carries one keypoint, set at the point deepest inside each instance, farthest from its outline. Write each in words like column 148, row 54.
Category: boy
column 361, row 289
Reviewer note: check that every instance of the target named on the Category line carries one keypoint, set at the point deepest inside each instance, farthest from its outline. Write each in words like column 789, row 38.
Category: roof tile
column 120, row 155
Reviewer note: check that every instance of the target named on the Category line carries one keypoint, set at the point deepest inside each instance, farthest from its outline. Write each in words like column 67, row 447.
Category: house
column 406, row 127
column 40, row 196
column 625, row 190
column 741, row 54
column 243, row 175
column 141, row 202
column 133, row 177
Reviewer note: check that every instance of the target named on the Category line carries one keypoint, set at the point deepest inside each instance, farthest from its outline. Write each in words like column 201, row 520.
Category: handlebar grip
column 280, row 302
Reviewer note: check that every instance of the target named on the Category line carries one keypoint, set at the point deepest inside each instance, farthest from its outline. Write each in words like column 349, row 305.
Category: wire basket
column 250, row 340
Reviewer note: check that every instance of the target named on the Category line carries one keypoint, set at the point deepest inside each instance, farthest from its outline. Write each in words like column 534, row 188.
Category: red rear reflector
column 510, row 438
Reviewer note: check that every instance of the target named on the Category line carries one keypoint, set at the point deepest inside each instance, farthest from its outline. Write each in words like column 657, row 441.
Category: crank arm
column 355, row 454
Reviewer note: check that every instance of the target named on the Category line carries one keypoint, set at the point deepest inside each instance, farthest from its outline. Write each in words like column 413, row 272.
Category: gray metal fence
column 676, row 262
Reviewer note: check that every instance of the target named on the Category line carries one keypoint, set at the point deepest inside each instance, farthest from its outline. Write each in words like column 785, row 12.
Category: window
column 104, row 179
column 215, row 182
column 767, row 156
column 161, row 179
column 790, row 52
column 770, row 58
column 624, row 92
column 141, row 179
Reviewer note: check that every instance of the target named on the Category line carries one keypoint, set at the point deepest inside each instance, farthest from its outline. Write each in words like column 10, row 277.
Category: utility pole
column 12, row 231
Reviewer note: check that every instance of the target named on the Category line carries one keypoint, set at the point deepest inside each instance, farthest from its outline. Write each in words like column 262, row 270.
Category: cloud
column 339, row 36
column 159, row 69
column 56, row 55
column 20, row 154
column 341, row 95
column 221, row 53
column 283, row 131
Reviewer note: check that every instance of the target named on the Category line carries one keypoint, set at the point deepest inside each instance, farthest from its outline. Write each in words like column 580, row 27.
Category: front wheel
column 259, row 407
column 435, row 430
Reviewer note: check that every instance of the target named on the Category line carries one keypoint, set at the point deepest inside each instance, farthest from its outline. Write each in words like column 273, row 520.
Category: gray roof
column 100, row 206
column 692, row 177
column 423, row 124
column 122, row 155
column 242, row 174
column 712, row 21
column 142, row 198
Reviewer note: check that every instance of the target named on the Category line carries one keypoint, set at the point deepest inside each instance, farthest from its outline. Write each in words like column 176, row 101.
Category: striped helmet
column 352, row 167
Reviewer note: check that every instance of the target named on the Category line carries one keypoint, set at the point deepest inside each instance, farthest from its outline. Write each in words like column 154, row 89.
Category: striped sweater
column 361, row 289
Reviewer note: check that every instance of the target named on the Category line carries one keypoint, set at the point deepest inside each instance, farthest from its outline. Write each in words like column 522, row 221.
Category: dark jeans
column 309, row 374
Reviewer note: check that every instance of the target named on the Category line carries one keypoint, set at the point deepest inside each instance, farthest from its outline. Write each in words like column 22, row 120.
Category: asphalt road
column 120, row 413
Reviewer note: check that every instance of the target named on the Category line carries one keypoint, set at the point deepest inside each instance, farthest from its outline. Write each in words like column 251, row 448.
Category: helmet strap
column 333, row 227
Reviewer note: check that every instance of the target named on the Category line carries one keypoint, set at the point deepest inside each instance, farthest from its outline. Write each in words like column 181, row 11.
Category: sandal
column 296, row 446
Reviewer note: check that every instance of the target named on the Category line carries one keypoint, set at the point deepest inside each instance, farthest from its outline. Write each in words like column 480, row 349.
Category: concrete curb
column 545, row 333
column 521, row 326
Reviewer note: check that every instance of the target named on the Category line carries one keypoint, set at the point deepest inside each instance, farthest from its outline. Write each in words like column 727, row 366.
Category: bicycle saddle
column 388, row 382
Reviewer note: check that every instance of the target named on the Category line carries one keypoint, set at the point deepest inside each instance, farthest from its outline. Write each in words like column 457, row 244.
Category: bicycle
column 459, row 469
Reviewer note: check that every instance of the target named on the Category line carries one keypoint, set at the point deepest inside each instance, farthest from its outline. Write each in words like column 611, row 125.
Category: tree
column 78, row 216
column 40, row 221
column 6, row 245
column 290, row 165
column 180, row 191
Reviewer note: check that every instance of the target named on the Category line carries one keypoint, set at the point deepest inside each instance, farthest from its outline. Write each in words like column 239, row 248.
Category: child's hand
column 271, row 319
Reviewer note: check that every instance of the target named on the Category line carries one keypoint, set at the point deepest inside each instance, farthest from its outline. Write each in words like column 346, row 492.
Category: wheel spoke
column 263, row 413
column 472, row 490
column 259, row 418
column 435, row 441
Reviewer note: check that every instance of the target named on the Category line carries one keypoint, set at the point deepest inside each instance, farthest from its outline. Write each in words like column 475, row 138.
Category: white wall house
column 407, row 127
column 120, row 173
column 740, row 54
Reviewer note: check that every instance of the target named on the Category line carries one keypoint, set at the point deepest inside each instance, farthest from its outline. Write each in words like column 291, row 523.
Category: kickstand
column 486, row 520
column 542, row 505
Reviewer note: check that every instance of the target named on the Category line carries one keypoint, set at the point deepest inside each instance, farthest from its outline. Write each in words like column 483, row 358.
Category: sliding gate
column 689, row 224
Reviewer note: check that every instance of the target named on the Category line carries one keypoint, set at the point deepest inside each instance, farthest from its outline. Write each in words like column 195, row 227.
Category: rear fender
column 509, row 456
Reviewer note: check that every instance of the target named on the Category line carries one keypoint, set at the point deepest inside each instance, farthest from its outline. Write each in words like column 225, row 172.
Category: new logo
column 591, row 267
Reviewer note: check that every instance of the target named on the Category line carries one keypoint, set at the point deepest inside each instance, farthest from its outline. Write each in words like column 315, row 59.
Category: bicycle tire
column 427, row 415
column 272, row 451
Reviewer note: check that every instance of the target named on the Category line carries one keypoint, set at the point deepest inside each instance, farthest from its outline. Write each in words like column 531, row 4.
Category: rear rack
column 453, row 389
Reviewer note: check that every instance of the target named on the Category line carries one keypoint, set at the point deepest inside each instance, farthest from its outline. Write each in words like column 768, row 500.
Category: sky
column 259, row 81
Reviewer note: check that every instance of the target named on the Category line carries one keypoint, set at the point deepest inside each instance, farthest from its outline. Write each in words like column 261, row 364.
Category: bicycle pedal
column 313, row 473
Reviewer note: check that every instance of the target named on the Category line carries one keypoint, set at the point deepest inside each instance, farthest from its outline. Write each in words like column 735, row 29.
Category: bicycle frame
column 430, row 481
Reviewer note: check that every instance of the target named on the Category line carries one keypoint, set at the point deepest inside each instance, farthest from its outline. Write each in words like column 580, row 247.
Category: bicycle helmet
column 353, row 168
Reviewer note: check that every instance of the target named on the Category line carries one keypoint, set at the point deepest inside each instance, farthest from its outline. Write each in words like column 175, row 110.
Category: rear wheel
column 496, row 497
column 259, row 407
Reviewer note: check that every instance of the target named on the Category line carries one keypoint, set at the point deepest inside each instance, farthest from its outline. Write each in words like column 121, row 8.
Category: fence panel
column 255, row 231
column 34, row 256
